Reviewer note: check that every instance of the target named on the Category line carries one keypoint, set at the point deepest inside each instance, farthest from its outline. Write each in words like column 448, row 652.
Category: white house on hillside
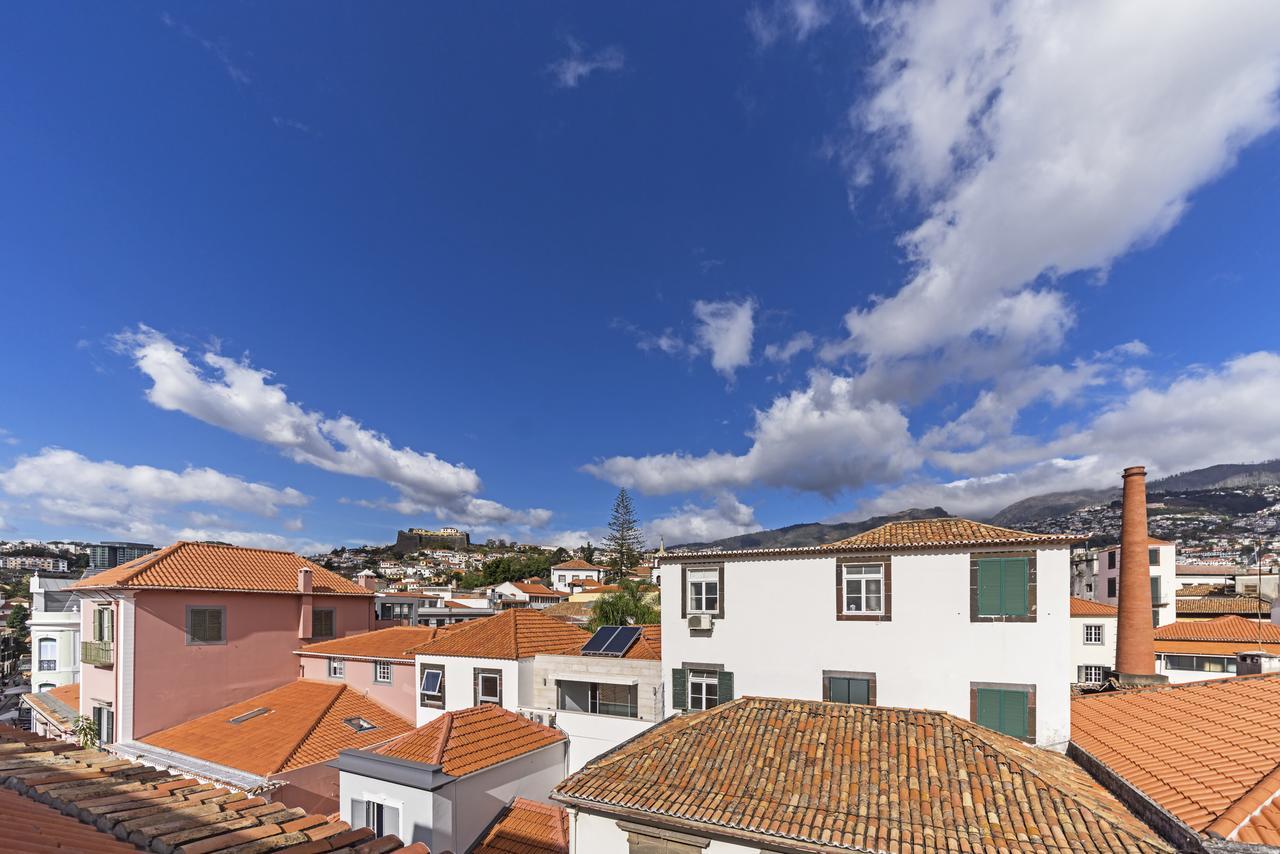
column 562, row 574
column 942, row 614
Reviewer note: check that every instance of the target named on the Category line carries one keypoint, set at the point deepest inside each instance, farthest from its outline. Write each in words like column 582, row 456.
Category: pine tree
column 624, row 538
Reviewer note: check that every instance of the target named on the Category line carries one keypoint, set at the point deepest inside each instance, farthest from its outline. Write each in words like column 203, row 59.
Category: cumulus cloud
column 234, row 395
column 726, row 329
column 797, row 344
column 693, row 523
column 821, row 438
column 569, row 71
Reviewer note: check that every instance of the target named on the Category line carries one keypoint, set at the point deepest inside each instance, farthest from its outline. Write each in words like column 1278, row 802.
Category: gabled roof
column 579, row 563
column 304, row 723
column 1200, row 750
column 1209, row 569
column 536, row 589
column 1249, row 606
column 515, row 634
column 395, row 642
column 825, row 776
column 1089, row 608
column 1228, row 628
column 932, row 533
column 527, row 827
column 1195, row 591
column 469, row 740
column 209, row 566
column 60, row 705
column 180, row 811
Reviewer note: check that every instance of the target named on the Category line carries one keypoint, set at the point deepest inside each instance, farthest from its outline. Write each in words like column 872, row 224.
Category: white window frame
column 337, row 668
column 1101, row 634
column 708, row 684
column 860, row 574
column 378, row 670
column 1101, row 670
column 40, row 654
column 481, row 696
column 698, row 581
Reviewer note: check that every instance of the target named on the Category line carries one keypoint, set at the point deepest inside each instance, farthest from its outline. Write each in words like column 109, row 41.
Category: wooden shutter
column 988, row 708
column 860, row 691
column 1014, row 579
column 990, row 573
column 1013, row 713
column 724, row 685
column 680, row 688
column 213, row 625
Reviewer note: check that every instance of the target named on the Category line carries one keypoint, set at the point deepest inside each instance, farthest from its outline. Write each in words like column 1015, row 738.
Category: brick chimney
column 304, row 611
column 366, row 579
column 1135, row 635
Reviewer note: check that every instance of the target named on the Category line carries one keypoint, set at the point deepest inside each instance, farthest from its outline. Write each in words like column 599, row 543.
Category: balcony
column 97, row 653
column 48, row 664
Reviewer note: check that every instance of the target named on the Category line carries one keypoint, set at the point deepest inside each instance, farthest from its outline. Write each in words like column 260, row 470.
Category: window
column 45, row 686
column 322, row 623
column 618, row 700
column 432, row 687
column 863, row 588
column 1153, row 556
column 382, row 672
column 206, row 625
column 704, row 690
column 1004, row 710
column 1111, row 588
column 105, row 721
column 249, row 715
column 1093, row 633
column 857, row 688
column 48, row 654
column 382, row 819
column 1111, row 559
column 395, row 611
column 104, row 624
column 704, row 591
column 1091, row 673
column 1003, row 587
column 1200, row 663
column 488, row 686
column 337, row 668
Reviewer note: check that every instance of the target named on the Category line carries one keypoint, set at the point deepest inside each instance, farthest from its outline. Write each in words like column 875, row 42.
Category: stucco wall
column 400, row 696
column 313, row 788
column 582, row 668
column 592, row 735
column 458, row 684
column 926, row 656
column 415, row 805
column 1082, row 653
column 476, row 799
column 97, row 684
column 597, row 834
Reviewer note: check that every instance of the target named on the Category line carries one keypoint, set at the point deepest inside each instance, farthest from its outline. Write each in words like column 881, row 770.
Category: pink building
column 377, row 664
column 188, row 629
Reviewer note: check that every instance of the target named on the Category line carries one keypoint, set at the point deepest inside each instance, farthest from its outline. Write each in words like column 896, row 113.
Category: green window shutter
column 1014, row 579
column 860, row 691
column 989, row 584
column 988, row 708
column 725, row 685
column 680, row 688
column 1013, row 713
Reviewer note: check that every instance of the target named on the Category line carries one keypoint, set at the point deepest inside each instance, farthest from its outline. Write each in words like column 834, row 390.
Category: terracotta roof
column 1248, row 605
column 207, row 566
column 648, row 647
column 395, row 642
column 151, row 809
column 1187, row 591
column 1197, row 749
column 466, row 741
column 1205, row 569
column 527, row 827
column 579, row 563
column 60, row 705
column 536, row 589
column 931, row 533
column 514, row 634
column 826, row 776
column 1089, row 608
column 570, row 612
column 1228, row 628
column 304, row 724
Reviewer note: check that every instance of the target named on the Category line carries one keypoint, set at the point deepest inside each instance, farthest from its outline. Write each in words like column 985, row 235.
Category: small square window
column 488, row 686
column 382, row 672
column 206, row 625
column 322, row 623
column 337, row 668
column 703, row 595
column 1093, row 634
column 1091, row 674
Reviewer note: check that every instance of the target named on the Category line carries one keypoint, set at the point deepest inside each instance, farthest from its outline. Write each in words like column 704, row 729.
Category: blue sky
column 300, row 278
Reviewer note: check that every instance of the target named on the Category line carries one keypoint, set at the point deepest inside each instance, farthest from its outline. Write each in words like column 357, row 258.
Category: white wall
column 459, row 681
column 591, row 735
column 925, row 657
column 1179, row 676
column 1167, row 572
column 598, row 834
column 1092, row 654
column 476, row 799
column 415, row 805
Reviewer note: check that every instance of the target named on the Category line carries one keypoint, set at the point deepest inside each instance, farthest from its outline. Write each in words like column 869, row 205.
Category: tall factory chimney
column 1135, row 634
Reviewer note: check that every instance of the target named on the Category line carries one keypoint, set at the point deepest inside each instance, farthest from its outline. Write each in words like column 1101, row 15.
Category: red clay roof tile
column 515, row 634
column 1089, row 608
column 527, row 827
column 468, row 740
column 932, row 533
column 395, row 642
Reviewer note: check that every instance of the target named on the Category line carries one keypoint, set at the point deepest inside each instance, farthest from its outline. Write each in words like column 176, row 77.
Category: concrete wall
column 582, row 668
column 401, row 696
column 926, row 656
column 597, row 834
column 592, row 735
column 1092, row 654
column 458, row 683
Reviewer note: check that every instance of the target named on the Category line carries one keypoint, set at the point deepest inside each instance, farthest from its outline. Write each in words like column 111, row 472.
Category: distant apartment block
column 416, row 539
column 34, row 564
column 108, row 555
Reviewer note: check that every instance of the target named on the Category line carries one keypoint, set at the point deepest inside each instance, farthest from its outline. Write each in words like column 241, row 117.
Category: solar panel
column 622, row 640
column 599, row 640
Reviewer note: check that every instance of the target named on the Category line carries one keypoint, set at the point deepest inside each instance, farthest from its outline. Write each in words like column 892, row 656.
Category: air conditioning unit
column 699, row 622
column 544, row 718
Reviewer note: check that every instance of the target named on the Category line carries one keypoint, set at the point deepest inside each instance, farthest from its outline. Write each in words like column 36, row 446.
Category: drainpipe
column 304, row 589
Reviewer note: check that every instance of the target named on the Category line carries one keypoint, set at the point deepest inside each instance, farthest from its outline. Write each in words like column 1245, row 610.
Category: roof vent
column 239, row 719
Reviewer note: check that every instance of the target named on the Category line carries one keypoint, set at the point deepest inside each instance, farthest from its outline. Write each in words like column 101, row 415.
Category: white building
column 444, row 783
column 522, row 594
column 942, row 614
column 1196, row 650
column 1093, row 640
column 562, row 574
column 55, row 633
column 1163, row 557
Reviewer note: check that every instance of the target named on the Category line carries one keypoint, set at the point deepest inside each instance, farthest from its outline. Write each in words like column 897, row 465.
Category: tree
column 18, row 618
column 560, row 555
column 630, row 606
column 587, row 552
column 624, row 538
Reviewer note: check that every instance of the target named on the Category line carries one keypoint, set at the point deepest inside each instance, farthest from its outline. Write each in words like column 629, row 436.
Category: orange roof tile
column 536, row 589
column 932, row 533
column 394, row 642
column 1208, row 569
column 1251, row 606
column 515, row 634
column 1228, row 628
column 466, row 741
column 108, row 792
column 579, row 563
column 527, row 827
column 208, row 566
column 861, row 778
column 1089, row 608
column 1196, row 749
column 1197, row 590
column 60, row 705
column 304, row 724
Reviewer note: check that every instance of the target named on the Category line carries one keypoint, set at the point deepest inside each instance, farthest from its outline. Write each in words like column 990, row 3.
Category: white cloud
column 238, row 397
column 726, row 328
column 797, row 344
column 796, row 19
column 294, row 524
column 571, row 70
column 821, row 438
column 215, row 49
column 253, row 539
column 726, row 517
column 1047, row 139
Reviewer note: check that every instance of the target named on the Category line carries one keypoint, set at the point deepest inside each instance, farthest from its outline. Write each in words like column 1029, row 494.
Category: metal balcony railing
column 97, row 653
column 48, row 664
